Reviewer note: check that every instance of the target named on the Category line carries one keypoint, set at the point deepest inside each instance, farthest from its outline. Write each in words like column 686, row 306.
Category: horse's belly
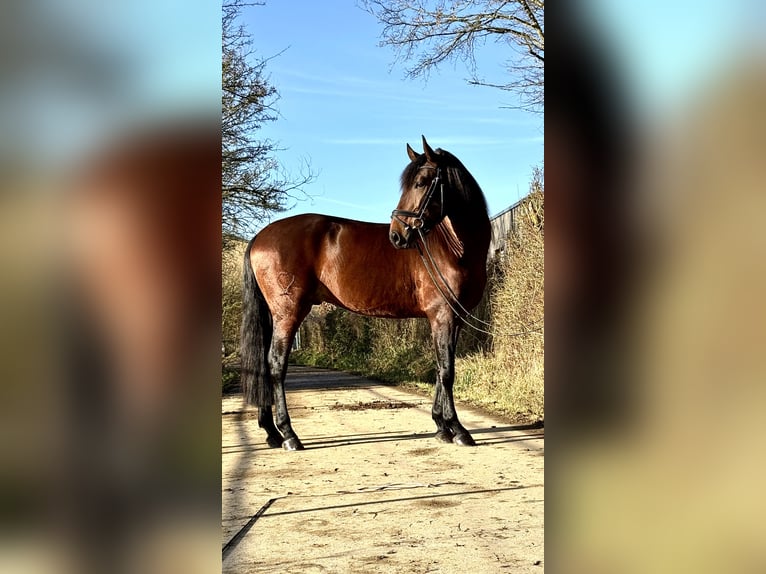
column 373, row 299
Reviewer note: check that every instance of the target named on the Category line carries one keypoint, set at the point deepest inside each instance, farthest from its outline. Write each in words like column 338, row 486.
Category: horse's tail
column 255, row 339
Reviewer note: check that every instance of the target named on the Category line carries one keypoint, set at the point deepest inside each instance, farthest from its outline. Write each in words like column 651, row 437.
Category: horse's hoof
column 444, row 436
column 274, row 441
column 464, row 439
column 292, row 443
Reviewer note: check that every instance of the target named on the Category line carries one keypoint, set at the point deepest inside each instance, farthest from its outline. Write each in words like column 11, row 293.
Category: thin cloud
column 360, row 94
column 362, row 141
column 368, row 207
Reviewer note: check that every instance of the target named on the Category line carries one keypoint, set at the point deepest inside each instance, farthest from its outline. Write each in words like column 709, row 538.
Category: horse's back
column 312, row 233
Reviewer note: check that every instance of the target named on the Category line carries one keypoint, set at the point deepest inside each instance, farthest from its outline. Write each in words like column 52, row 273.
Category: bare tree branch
column 426, row 33
column 254, row 183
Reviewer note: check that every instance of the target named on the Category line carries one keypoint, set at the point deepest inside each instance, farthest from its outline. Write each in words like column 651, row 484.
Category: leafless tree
column 254, row 184
column 426, row 33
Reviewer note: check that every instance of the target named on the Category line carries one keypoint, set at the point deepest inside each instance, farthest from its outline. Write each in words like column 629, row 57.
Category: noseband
column 418, row 221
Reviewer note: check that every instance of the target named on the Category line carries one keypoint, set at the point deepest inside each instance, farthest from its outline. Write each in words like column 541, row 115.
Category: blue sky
column 347, row 108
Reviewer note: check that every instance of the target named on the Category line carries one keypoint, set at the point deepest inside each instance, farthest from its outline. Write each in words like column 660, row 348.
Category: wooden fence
column 502, row 224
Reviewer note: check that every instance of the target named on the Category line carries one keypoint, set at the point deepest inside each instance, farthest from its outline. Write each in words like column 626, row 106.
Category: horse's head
column 421, row 206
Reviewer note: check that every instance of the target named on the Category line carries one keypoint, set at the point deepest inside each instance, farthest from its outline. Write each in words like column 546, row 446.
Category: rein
column 454, row 299
column 466, row 314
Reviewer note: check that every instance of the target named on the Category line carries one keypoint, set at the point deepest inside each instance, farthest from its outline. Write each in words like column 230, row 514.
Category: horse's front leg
column 445, row 334
column 443, row 432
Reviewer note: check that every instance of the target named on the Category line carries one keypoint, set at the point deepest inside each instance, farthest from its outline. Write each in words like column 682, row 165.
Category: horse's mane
column 458, row 177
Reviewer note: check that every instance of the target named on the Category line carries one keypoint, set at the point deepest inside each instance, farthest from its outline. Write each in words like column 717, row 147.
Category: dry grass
column 510, row 378
column 231, row 294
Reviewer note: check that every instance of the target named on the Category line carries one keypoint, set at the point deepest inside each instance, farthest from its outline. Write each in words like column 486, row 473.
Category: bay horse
column 379, row 270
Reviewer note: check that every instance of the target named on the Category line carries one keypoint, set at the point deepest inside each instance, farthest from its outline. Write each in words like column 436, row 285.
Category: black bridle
column 418, row 221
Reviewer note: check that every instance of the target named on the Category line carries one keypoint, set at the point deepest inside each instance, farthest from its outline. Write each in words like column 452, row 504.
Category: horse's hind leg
column 266, row 422
column 281, row 343
column 278, row 363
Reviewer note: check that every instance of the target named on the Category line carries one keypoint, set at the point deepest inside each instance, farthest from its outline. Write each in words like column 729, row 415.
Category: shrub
column 510, row 377
column 231, row 295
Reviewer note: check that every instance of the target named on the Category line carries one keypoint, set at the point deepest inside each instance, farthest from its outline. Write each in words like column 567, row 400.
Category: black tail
column 255, row 339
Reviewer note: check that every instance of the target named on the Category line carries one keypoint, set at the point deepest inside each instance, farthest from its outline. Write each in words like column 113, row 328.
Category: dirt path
column 374, row 491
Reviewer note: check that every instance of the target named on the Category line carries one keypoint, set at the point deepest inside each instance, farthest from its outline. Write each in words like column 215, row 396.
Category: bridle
column 418, row 220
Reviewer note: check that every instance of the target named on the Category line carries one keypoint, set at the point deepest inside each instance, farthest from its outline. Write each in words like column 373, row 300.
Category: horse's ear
column 428, row 151
column 412, row 153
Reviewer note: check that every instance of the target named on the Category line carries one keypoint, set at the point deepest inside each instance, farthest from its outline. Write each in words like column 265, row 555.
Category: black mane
column 459, row 179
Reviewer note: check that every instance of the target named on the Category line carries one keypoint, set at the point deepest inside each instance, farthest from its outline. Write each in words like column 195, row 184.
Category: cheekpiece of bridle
column 417, row 217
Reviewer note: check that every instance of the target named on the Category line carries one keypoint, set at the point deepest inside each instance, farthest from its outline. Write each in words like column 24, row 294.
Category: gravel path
column 374, row 492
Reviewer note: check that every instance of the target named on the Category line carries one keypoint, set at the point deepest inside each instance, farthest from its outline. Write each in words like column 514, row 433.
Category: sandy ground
column 374, row 491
